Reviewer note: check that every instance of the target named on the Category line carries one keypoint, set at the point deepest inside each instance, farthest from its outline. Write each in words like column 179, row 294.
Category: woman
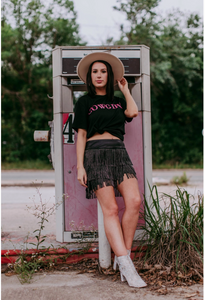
column 103, row 165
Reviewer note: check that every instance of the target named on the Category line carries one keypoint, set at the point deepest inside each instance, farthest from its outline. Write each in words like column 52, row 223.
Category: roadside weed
column 178, row 180
column 41, row 257
column 174, row 231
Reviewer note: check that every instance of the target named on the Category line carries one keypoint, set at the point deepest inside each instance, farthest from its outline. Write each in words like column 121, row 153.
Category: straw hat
column 85, row 62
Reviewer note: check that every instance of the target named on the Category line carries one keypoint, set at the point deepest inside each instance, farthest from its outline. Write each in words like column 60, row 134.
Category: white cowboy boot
column 128, row 272
column 115, row 264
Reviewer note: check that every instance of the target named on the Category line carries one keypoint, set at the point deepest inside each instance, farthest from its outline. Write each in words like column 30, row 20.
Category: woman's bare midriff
column 105, row 136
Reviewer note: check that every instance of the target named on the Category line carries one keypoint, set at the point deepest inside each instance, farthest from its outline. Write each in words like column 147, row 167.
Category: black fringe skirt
column 106, row 162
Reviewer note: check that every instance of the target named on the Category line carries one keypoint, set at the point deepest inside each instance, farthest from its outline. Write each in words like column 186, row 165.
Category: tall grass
column 174, row 231
column 27, row 165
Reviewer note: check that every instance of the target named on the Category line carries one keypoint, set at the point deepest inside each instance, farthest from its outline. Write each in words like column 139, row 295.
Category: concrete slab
column 71, row 285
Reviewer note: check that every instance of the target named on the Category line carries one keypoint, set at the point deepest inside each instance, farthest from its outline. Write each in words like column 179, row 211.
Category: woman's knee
column 134, row 203
column 111, row 211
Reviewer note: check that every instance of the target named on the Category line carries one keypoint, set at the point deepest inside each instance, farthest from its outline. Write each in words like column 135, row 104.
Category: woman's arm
column 80, row 149
column 132, row 109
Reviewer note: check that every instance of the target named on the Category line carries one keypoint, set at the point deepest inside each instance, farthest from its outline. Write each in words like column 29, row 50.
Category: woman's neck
column 100, row 91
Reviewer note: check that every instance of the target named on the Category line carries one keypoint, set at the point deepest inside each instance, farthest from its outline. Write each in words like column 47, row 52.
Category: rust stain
column 41, row 136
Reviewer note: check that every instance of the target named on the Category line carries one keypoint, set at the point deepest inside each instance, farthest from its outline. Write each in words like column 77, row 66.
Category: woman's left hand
column 123, row 85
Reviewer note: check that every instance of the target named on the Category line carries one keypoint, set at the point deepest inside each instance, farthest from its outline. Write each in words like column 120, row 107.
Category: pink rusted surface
column 77, row 208
column 134, row 145
column 80, row 210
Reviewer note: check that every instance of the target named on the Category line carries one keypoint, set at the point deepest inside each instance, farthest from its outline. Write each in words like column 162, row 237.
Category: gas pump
column 76, row 209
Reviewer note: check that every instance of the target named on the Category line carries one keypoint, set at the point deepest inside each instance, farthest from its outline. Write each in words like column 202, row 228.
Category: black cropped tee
column 98, row 114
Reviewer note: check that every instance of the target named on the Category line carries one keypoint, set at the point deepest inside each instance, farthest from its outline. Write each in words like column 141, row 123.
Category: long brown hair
column 110, row 81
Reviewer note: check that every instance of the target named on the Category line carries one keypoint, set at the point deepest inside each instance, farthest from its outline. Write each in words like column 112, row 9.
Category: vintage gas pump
column 76, row 209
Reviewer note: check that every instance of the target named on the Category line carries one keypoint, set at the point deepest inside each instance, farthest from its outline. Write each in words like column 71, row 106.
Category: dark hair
column 110, row 81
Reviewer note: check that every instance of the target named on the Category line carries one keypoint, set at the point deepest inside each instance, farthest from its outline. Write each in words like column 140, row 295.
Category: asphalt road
column 27, row 176
column 194, row 175
column 18, row 192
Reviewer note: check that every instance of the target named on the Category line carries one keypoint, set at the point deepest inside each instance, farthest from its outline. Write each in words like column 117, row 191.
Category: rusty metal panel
column 136, row 91
column 57, row 95
column 56, row 62
column 131, row 59
column 145, row 61
column 137, row 139
column 146, row 103
column 78, row 209
column 147, row 152
column 59, row 185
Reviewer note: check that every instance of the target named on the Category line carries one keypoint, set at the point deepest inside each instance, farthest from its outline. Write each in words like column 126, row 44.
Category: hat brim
column 85, row 62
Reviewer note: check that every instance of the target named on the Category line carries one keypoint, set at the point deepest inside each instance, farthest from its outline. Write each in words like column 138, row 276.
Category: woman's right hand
column 82, row 176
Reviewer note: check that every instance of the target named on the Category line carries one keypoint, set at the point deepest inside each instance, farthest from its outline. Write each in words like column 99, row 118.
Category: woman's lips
column 98, row 81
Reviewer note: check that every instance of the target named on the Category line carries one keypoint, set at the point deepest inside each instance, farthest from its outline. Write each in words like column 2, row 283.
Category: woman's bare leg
column 130, row 191
column 113, row 230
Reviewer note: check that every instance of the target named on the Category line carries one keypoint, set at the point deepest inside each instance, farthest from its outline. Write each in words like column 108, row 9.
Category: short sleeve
column 124, row 106
column 81, row 115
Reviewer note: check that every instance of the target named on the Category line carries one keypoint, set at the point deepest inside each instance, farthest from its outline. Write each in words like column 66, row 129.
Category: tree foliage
column 176, row 57
column 30, row 29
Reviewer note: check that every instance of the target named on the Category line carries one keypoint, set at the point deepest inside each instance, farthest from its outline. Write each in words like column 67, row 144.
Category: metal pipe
column 104, row 246
column 41, row 136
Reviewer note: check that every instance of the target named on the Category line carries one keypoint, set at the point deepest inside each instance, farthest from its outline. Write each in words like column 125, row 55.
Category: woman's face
column 99, row 75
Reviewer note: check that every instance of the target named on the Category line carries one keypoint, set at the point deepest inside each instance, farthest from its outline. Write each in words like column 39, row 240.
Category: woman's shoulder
column 84, row 100
column 84, row 97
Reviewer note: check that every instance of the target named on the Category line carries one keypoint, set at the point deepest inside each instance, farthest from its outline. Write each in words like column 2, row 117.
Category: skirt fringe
column 107, row 167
